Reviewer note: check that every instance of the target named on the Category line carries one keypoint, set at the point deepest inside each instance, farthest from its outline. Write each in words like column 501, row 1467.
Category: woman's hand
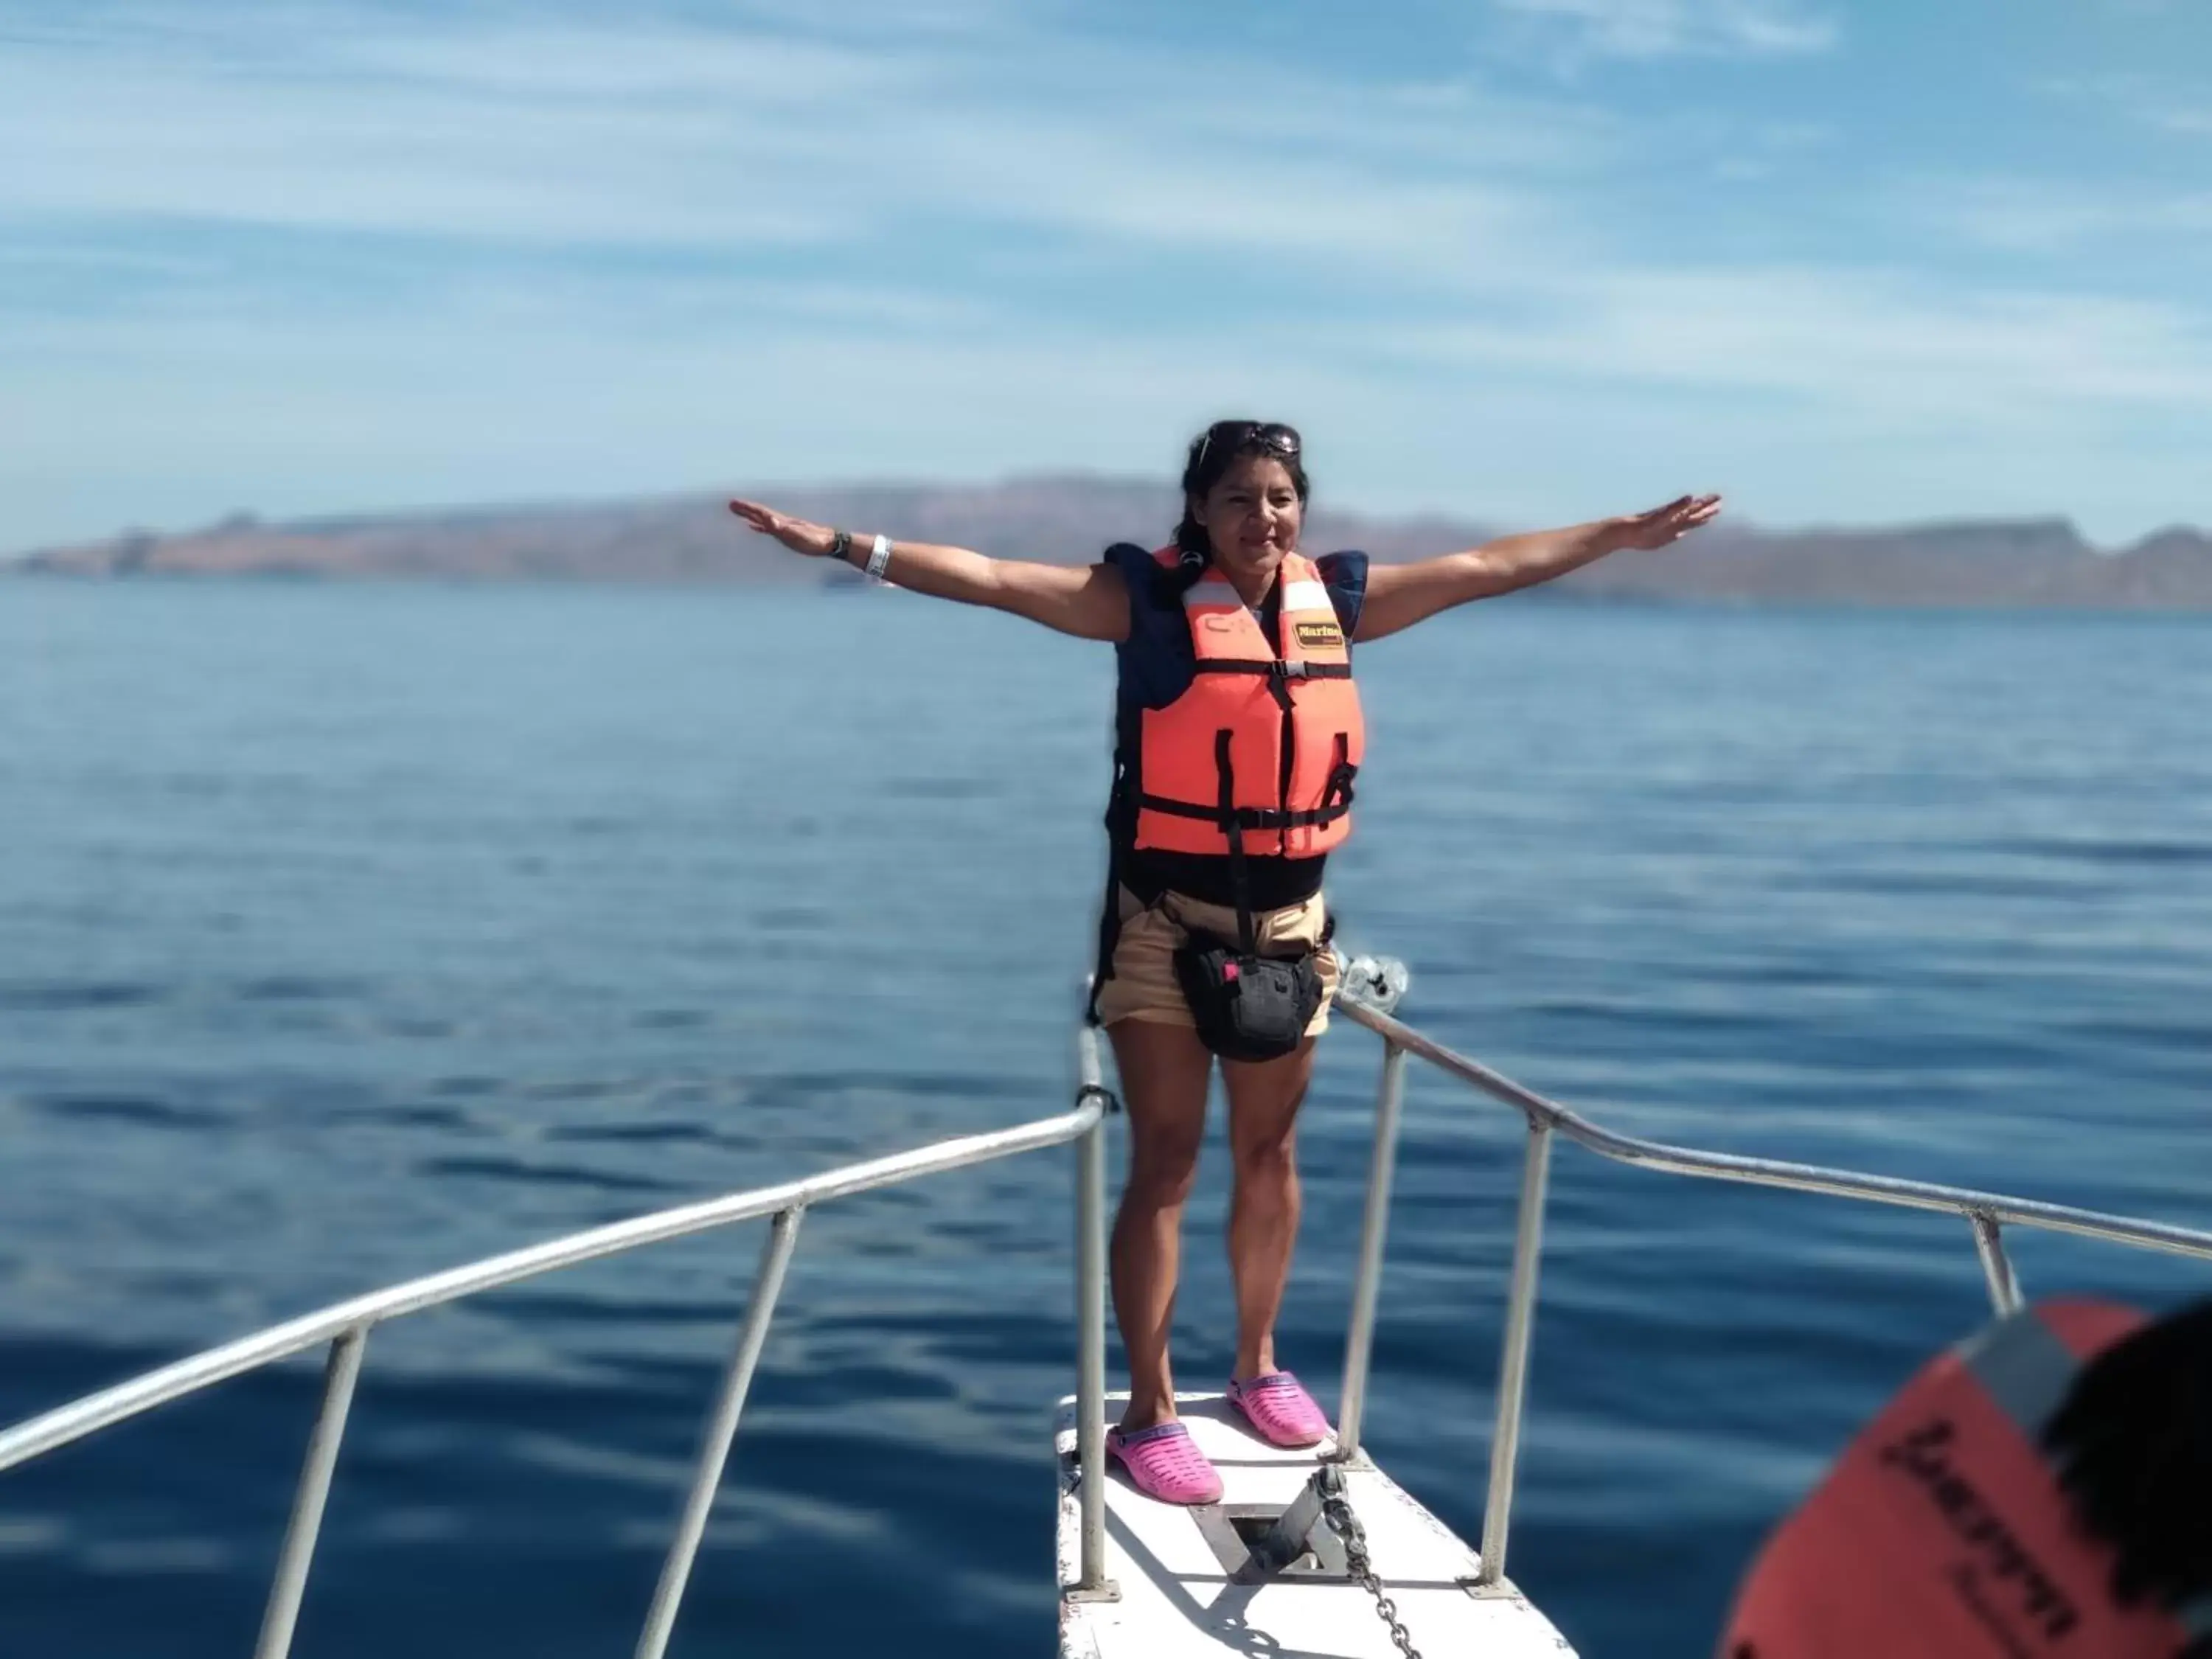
column 799, row 535
column 1088, row 601
column 1644, row 532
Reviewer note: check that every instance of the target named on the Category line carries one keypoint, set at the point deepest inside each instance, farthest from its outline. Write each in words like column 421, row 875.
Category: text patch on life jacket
column 1942, row 1529
column 1265, row 743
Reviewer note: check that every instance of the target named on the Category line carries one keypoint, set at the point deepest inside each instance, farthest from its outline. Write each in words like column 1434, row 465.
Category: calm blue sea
column 348, row 932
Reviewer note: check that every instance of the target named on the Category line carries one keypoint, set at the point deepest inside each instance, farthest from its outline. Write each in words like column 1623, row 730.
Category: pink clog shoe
column 1277, row 1406
column 1165, row 1463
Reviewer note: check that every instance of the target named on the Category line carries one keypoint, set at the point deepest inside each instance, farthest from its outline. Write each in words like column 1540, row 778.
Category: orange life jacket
column 1943, row 1532
column 1262, row 744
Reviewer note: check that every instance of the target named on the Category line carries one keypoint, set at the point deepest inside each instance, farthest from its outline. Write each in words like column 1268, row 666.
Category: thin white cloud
column 646, row 254
column 2157, row 103
column 665, row 134
column 1868, row 344
column 2125, row 221
column 2195, row 121
column 1681, row 28
column 347, row 136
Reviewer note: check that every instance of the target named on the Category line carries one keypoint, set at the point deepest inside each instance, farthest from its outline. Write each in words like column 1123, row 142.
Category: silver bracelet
column 879, row 560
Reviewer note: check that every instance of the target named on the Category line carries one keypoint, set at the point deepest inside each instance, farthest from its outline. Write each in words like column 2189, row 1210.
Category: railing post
column 1513, row 1357
column 1997, row 1266
column 1091, row 1319
column 1359, row 1336
column 298, row 1553
column 721, row 1429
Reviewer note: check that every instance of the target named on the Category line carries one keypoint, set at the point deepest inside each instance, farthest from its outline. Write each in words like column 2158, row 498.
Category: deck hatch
column 1231, row 1529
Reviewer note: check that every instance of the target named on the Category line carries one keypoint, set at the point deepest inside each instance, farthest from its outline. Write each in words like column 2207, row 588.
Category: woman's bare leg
column 1264, row 1201
column 1164, row 1070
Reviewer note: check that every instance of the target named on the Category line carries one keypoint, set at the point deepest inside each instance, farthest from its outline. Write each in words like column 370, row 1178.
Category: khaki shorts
column 1144, row 985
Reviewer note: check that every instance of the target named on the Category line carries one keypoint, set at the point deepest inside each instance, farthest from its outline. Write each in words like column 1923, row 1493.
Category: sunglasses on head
column 1272, row 436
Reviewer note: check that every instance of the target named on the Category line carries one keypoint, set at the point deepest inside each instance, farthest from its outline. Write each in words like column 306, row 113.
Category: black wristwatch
column 841, row 546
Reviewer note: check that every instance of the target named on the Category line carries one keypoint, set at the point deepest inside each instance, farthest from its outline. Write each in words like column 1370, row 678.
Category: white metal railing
column 345, row 1327
column 1367, row 998
column 1984, row 1212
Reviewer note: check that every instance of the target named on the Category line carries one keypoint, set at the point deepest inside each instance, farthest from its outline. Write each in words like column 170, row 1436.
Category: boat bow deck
column 1176, row 1596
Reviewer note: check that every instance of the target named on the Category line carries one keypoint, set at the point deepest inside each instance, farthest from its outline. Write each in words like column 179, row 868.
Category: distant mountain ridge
column 692, row 538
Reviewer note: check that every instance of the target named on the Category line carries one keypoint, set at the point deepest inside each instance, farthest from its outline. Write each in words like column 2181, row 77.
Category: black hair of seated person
column 2133, row 1446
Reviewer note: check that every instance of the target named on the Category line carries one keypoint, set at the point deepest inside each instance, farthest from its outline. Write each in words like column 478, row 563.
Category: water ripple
column 358, row 933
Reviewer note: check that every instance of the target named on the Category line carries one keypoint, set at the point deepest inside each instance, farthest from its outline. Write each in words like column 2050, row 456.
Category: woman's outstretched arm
column 1088, row 601
column 1400, row 595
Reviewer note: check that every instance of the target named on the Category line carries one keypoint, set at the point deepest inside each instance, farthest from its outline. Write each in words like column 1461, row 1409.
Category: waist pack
column 1247, row 1006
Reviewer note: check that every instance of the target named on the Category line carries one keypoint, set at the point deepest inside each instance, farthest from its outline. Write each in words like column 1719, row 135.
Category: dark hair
column 1211, row 454
column 2133, row 1442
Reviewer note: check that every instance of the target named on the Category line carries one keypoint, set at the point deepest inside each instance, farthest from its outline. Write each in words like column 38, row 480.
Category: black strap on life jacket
column 1276, row 670
column 1336, row 799
column 1256, row 818
column 1336, row 793
column 1228, row 817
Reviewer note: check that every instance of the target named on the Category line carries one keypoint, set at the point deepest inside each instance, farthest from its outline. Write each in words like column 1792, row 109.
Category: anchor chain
column 1336, row 1509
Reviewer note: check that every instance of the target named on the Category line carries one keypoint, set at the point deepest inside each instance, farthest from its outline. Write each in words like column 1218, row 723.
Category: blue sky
column 1527, row 260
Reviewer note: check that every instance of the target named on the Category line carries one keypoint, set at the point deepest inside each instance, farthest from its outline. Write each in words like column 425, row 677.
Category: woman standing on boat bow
column 1238, row 737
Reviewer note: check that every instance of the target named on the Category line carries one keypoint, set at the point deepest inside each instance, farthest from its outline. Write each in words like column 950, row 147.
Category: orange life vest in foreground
column 1943, row 1532
column 1267, row 742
